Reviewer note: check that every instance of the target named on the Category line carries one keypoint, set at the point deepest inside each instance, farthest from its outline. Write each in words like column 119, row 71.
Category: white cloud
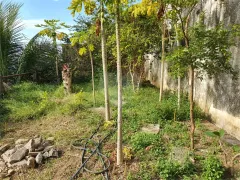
column 30, row 23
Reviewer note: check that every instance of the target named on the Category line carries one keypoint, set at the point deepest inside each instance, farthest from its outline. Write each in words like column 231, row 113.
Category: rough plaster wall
column 220, row 96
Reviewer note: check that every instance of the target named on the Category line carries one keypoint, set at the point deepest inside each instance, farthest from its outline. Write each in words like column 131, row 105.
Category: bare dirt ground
column 66, row 129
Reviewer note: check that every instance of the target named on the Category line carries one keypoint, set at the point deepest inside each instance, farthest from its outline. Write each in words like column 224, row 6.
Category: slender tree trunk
column 179, row 90
column 162, row 62
column 56, row 59
column 132, row 78
column 191, row 87
column 119, row 77
column 93, row 83
column 179, row 78
column 104, row 62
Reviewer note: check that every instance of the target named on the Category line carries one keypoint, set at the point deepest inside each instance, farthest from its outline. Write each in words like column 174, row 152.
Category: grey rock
column 53, row 153
column 46, row 143
column 45, row 155
column 2, row 166
column 40, row 148
column 39, row 158
column 18, row 155
column 37, row 142
column 36, row 136
column 4, row 147
column 20, row 164
column 31, row 162
column 11, row 172
column 19, row 146
column 48, row 148
column 21, row 141
column 7, row 154
column 151, row 128
column 30, row 145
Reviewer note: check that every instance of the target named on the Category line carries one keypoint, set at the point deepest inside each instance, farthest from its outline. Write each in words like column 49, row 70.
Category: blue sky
column 35, row 11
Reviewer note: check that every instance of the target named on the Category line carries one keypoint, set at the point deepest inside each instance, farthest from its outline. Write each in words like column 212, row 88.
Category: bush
column 212, row 168
column 142, row 140
column 173, row 170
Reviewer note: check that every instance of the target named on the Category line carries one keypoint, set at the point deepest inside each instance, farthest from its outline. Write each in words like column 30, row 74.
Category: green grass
column 29, row 101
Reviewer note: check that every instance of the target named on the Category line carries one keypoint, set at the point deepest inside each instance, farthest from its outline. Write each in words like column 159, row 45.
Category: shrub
column 212, row 168
column 142, row 140
column 173, row 170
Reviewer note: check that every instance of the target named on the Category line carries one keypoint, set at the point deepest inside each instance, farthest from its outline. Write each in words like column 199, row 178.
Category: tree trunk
column 162, row 63
column 119, row 77
column 56, row 59
column 132, row 77
column 179, row 90
column 191, row 74
column 93, row 83
column 104, row 62
column 179, row 78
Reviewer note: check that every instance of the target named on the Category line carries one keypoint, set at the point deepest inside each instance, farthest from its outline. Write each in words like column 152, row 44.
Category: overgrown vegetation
column 153, row 153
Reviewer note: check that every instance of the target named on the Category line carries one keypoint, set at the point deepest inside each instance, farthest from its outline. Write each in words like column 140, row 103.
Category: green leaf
column 211, row 134
column 221, row 133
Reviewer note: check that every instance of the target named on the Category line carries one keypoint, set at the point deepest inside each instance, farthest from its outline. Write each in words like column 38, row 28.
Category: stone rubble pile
column 26, row 153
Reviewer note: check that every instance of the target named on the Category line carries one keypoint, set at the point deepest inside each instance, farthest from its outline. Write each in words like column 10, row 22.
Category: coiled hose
column 97, row 150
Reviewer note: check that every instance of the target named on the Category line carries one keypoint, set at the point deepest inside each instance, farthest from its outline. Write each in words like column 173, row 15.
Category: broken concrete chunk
column 11, row 172
column 19, row 146
column 45, row 144
column 18, row 155
column 37, row 142
column 151, row 128
column 21, row 141
column 2, row 166
column 48, row 148
column 4, row 147
column 31, row 162
column 20, row 164
column 40, row 148
column 30, row 145
column 7, row 154
column 53, row 153
column 45, row 155
column 39, row 158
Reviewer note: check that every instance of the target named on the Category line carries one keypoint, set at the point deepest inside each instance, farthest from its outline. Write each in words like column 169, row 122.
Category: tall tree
column 119, row 79
column 84, row 39
column 51, row 28
column 10, row 35
column 90, row 6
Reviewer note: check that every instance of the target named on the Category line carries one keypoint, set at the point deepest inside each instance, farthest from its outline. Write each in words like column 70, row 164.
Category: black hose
column 78, row 145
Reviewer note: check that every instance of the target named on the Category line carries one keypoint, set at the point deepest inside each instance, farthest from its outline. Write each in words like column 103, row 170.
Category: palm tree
column 10, row 35
column 51, row 28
